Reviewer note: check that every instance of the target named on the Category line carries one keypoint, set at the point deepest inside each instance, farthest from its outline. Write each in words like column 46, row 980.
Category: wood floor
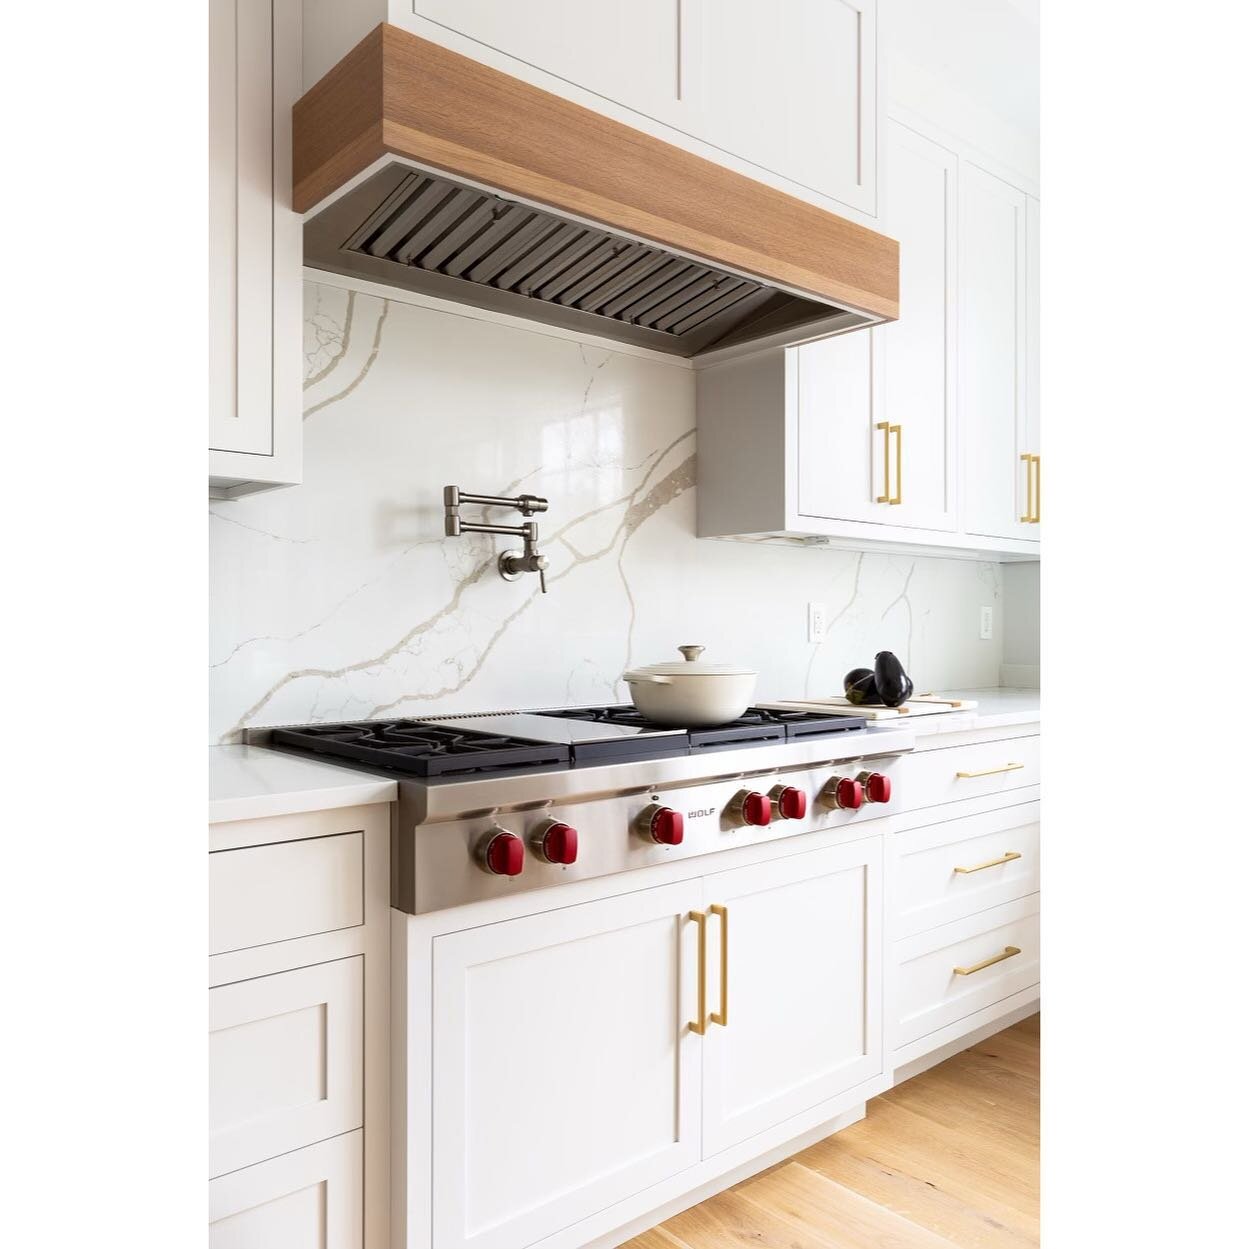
column 948, row 1158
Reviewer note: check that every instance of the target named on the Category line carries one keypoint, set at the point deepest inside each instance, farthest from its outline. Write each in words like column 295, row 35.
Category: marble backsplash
column 342, row 599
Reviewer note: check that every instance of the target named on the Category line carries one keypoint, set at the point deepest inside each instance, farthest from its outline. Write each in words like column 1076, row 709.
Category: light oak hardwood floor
column 949, row 1158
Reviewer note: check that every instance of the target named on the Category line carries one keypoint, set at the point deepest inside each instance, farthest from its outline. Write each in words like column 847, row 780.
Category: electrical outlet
column 986, row 623
column 817, row 622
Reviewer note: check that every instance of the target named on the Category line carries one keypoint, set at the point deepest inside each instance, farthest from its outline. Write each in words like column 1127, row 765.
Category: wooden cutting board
column 839, row 705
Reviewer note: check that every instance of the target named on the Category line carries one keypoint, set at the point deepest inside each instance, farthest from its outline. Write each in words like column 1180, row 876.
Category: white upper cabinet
column 786, row 93
column 918, row 351
column 1032, row 345
column 255, row 248
column 923, row 433
column 876, row 410
column 625, row 50
column 792, row 88
column 993, row 372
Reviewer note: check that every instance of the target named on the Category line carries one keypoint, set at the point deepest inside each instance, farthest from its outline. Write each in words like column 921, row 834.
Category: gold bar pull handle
column 1009, row 952
column 967, row 776
column 699, row 1025
column 883, row 426
column 1009, row 857
column 1036, row 509
column 722, row 1015
column 897, row 465
column 1027, row 461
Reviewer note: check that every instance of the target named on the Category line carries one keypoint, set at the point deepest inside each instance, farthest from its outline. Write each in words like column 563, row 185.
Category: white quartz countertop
column 250, row 782
column 995, row 709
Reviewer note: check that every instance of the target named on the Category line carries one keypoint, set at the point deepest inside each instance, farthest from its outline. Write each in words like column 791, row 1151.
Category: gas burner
column 531, row 741
column 423, row 749
column 755, row 726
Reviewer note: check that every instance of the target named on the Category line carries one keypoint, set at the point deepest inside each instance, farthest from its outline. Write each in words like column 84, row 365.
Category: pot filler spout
column 419, row 168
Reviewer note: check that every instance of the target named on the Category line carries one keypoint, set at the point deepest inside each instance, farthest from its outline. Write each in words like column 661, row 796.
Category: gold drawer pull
column 1009, row 952
column 1009, row 857
column 966, row 776
column 722, row 1015
column 699, row 1025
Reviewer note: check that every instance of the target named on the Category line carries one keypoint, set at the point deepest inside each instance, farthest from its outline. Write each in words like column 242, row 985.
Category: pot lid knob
column 691, row 653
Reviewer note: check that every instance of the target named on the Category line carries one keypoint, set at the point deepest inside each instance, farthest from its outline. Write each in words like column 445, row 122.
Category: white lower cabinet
column 286, row 1061
column 299, row 1031
column 312, row 1198
column 960, row 968
column 801, row 944
column 565, row 1075
column 584, row 1055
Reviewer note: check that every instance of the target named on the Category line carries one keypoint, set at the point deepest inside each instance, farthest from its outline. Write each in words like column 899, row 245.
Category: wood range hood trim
column 401, row 97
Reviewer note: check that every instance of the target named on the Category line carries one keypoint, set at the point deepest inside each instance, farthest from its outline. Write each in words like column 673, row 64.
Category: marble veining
column 341, row 598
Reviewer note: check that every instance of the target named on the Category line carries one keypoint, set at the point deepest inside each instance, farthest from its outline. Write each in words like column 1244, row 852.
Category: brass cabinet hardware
column 1009, row 952
column 1009, row 857
column 883, row 426
column 699, row 1025
column 966, row 776
column 893, row 464
column 722, row 1015
column 1034, row 493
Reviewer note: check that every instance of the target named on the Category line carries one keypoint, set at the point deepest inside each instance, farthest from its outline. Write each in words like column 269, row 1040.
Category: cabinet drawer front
column 263, row 894
column 960, row 867
column 286, row 1061
column 933, row 994
column 928, row 778
column 309, row 1199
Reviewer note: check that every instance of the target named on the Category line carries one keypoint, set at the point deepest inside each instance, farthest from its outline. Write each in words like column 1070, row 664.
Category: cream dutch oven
column 691, row 694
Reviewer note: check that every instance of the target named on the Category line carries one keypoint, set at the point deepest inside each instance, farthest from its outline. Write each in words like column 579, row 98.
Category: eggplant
column 892, row 683
column 860, row 686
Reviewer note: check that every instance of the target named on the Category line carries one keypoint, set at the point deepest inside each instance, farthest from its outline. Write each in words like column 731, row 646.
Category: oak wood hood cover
column 421, row 168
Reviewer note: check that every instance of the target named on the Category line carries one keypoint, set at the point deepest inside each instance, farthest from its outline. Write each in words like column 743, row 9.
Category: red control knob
column 844, row 794
column 662, row 824
column 755, row 808
column 790, row 802
column 557, row 842
column 877, row 787
column 504, row 854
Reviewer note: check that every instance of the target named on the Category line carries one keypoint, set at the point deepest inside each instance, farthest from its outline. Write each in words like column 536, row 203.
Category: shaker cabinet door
column 841, row 467
column 241, row 235
column 875, row 412
column 918, row 350
column 1032, row 419
column 628, row 51
column 565, row 1074
column 993, row 356
column 802, row 950
column 255, row 248
column 791, row 88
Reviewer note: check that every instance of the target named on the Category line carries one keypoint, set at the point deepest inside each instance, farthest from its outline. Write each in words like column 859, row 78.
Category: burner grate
column 423, row 749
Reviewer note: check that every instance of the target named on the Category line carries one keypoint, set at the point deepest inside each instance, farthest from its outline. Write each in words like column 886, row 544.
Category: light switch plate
column 986, row 623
